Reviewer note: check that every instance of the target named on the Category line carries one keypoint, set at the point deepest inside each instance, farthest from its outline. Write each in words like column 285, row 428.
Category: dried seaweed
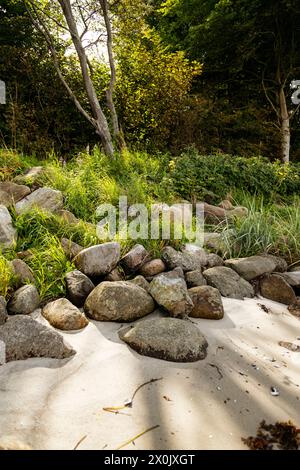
column 278, row 436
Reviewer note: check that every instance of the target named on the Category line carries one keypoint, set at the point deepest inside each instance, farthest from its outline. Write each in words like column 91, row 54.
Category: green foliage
column 153, row 83
column 41, row 232
column 90, row 180
column 6, row 276
column 193, row 175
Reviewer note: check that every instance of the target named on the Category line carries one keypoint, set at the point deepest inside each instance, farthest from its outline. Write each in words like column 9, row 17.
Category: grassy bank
column 272, row 226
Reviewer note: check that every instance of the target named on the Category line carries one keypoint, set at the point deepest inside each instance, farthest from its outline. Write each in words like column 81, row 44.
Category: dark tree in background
column 250, row 51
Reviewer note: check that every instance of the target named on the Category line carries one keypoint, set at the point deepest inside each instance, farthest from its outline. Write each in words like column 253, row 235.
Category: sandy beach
column 210, row 404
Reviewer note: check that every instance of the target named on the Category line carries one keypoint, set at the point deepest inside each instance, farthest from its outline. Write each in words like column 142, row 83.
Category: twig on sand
column 136, row 437
column 79, row 442
column 129, row 403
column 218, row 369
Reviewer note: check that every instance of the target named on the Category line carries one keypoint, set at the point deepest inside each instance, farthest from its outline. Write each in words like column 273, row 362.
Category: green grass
column 7, row 277
column 272, row 226
column 269, row 228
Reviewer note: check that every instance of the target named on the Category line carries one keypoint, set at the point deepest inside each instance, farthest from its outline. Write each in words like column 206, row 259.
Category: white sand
column 52, row 404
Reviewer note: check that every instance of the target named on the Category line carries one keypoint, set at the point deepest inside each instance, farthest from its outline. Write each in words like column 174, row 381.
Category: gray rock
column 214, row 214
column 15, row 191
column 152, row 268
column 43, row 198
column 207, row 303
column 98, row 260
column 226, row 204
column 292, row 278
column 70, row 248
column 195, row 278
column 5, row 199
column 79, row 286
column 22, row 272
column 135, row 258
column 275, row 287
column 237, row 212
column 197, row 251
column 31, row 176
column 169, row 339
column 2, row 352
column 8, row 235
column 255, row 266
column 228, row 282
column 118, row 301
column 24, row 301
column 141, row 281
column 25, row 338
column 187, row 260
column 3, row 311
column 214, row 260
column 170, row 292
column 62, row 314
column 68, row 217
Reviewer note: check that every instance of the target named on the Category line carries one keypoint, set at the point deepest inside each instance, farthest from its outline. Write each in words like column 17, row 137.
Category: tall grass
column 269, row 228
column 6, row 276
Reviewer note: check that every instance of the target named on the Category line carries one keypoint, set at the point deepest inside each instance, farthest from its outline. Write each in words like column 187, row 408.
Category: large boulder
column 170, row 292
column 70, row 248
column 228, row 282
column 43, row 198
column 98, row 260
column 24, row 301
column 207, row 303
column 195, row 278
column 22, row 272
column 3, row 311
column 24, row 338
column 8, row 235
column 118, row 301
column 15, row 191
column 79, row 286
column 187, row 260
column 166, row 338
column 255, row 266
column 152, row 268
column 275, row 287
column 135, row 258
column 62, row 314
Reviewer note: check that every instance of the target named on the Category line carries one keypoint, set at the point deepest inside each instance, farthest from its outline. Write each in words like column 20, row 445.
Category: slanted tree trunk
column 101, row 124
column 284, row 127
column 117, row 133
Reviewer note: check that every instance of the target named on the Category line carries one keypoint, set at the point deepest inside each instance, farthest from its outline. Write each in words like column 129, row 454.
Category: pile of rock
column 107, row 287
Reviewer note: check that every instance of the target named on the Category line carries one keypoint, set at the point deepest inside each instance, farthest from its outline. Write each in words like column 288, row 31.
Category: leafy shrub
column 193, row 175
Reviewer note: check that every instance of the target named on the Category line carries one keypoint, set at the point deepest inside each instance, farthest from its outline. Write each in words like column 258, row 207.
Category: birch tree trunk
column 101, row 123
column 284, row 127
column 110, row 91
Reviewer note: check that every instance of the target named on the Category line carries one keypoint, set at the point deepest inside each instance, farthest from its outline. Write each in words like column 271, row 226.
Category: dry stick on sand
column 136, row 437
column 129, row 404
column 79, row 442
